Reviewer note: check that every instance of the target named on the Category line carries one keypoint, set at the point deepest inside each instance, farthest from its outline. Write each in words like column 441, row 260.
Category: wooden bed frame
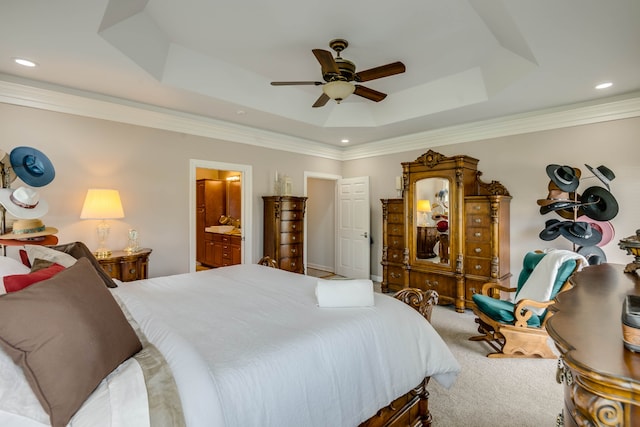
column 412, row 408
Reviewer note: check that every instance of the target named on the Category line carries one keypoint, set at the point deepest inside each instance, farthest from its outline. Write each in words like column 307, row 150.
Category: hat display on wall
column 27, row 229
column 603, row 173
column 23, row 202
column 599, row 204
column 32, row 166
column 581, row 233
column 587, row 215
column 565, row 177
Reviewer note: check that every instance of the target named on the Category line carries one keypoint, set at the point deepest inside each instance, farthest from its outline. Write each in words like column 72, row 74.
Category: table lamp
column 424, row 206
column 102, row 204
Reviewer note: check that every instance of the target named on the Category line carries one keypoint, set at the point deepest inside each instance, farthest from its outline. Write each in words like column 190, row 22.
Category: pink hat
column 604, row 227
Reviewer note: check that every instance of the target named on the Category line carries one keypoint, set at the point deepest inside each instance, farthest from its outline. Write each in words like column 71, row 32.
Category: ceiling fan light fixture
column 338, row 90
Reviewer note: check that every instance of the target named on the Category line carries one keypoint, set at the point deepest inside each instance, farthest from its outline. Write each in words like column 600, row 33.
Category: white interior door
column 353, row 247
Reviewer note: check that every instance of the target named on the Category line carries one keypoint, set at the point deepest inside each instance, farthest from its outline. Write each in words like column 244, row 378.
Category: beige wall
column 519, row 162
column 151, row 169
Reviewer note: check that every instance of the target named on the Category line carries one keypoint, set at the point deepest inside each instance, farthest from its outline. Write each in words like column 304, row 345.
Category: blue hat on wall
column 32, row 166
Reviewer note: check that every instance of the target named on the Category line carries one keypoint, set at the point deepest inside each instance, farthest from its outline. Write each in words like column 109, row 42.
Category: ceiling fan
column 338, row 73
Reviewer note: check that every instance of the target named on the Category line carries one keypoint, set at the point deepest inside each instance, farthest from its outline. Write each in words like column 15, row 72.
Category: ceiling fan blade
column 320, row 102
column 326, row 61
column 295, row 83
column 381, row 71
column 371, row 94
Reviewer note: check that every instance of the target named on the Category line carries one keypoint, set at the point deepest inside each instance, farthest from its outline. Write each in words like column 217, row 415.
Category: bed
column 239, row 345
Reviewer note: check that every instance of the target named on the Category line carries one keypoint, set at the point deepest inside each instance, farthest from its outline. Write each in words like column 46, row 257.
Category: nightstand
column 127, row 266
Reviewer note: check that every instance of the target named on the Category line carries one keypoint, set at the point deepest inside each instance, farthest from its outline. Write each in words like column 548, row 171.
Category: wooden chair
column 268, row 261
column 517, row 329
column 422, row 301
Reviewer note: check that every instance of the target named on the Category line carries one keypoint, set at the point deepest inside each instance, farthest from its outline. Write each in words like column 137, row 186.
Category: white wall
column 519, row 162
column 150, row 167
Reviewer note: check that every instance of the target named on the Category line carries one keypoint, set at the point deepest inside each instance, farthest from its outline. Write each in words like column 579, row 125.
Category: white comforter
column 249, row 346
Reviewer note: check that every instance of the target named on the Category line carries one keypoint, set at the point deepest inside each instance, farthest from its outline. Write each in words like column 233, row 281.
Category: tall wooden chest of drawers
column 486, row 242
column 393, row 245
column 284, row 231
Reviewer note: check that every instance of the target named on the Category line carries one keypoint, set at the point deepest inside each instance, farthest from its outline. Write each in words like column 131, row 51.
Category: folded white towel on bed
column 344, row 293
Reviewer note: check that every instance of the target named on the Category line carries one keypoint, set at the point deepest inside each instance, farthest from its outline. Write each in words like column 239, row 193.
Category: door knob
column 365, row 234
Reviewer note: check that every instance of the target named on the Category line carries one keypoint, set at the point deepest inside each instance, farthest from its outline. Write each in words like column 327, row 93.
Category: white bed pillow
column 10, row 266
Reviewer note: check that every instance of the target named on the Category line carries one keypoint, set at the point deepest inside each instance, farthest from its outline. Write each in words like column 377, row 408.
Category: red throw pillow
column 16, row 282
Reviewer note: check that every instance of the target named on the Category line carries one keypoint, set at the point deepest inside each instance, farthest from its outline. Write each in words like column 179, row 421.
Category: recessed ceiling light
column 604, row 85
column 24, row 62
column 344, row 141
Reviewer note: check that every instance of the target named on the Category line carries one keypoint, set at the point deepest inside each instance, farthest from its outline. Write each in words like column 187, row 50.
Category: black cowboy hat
column 580, row 233
column 565, row 177
column 599, row 204
column 603, row 173
column 551, row 229
column 593, row 254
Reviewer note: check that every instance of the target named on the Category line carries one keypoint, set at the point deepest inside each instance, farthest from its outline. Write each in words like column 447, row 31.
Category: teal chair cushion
column 502, row 311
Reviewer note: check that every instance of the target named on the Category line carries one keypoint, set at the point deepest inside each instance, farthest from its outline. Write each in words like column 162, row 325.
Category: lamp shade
column 424, row 206
column 102, row 204
column 338, row 89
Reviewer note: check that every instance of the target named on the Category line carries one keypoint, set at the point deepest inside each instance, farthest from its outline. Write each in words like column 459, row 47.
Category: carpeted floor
column 491, row 392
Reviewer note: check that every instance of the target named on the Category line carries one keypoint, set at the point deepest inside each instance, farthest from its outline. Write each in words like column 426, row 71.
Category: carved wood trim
column 422, row 301
column 493, row 188
column 431, row 158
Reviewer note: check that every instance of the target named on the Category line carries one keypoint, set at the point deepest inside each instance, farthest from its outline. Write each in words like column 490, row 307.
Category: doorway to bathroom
column 220, row 214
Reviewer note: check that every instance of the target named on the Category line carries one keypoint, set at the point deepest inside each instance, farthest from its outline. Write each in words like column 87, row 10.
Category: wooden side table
column 127, row 266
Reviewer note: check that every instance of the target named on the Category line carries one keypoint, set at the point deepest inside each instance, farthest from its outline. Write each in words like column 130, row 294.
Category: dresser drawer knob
column 478, row 267
column 478, row 220
column 477, row 207
column 294, row 250
column 477, row 234
column 394, row 275
column 293, row 226
column 294, row 205
column 293, row 238
column 295, row 215
column 395, row 256
column 132, row 271
column 473, row 291
column 477, row 250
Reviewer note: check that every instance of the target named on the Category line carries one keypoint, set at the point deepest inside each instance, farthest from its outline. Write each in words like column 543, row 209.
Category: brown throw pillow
column 79, row 250
column 67, row 333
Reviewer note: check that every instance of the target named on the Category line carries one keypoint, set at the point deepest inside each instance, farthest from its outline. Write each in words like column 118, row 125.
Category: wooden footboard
column 412, row 408
column 408, row 410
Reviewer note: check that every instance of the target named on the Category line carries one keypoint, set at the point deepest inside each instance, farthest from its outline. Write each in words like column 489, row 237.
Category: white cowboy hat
column 28, row 229
column 23, row 202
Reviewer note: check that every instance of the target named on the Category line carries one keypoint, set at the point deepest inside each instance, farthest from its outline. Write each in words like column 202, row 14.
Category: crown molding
column 537, row 121
column 119, row 110
column 123, row 111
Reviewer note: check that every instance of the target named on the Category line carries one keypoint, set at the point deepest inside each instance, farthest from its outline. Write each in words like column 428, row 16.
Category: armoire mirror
column 432, row 220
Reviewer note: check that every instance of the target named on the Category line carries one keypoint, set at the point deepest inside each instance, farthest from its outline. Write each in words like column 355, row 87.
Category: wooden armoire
column 457, row 241
column 284, row 231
